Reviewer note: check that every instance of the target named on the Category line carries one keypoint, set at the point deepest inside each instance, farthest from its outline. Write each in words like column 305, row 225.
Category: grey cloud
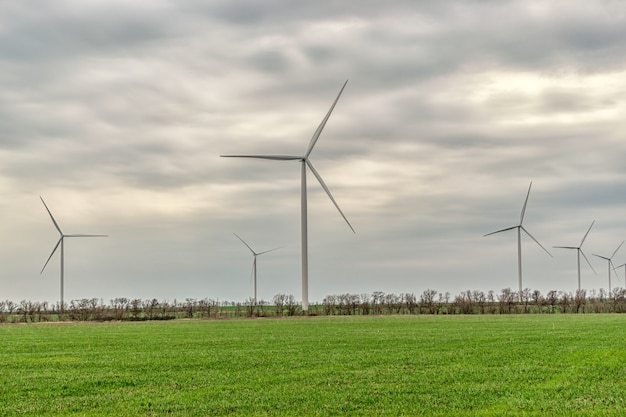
column 127, row 107
column 273, row 62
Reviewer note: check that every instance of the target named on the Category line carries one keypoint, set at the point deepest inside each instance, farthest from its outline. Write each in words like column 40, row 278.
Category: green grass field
column 519, row 365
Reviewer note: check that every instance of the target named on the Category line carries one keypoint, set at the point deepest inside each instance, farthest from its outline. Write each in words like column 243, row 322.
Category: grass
column 520, row 365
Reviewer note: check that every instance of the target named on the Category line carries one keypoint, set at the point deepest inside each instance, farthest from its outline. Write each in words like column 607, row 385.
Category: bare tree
column 565, row 300
column 410, row 301
column 330, row 305
column 506, row 299
column 552, row 299
column 480, row 299
column 427, row 300
column 279, row 302
column 525, row 297
column 365, row 306
column 377, row 301
column 580, row 299
column 291, row 305
column 135, row 308
column 618, row 296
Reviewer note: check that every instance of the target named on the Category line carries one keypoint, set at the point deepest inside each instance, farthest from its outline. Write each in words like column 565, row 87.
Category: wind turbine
column 620, row 266
column 580, row 251
column 254, row 261
column 305, row 161
column 610, row 262
column 60, row 243
column 519, row 228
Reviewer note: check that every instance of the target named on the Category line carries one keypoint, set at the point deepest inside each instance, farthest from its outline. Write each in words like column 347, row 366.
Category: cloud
column 117, row 113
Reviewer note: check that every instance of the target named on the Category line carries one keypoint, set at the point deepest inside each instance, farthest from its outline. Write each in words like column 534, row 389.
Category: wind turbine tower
column 60, row 243
column 519, row 228
column 580, row 251
column 305, row 162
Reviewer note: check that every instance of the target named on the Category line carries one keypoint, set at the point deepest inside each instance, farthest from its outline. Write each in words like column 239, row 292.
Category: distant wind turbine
column 304, row 159
column 519, row 228
column 580, row 251
column 60, row 243
column 610, row 262
column 254, row 261
column 622, row 266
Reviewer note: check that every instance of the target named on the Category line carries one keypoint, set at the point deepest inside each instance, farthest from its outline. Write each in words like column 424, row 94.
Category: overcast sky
column 117, row 112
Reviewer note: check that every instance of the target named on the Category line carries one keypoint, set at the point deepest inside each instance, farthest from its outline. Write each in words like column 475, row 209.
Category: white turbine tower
column 519, row 228
column 255, row 254
column 610, row 262
column 60, row 243
column 580, row 251
column 305, row 161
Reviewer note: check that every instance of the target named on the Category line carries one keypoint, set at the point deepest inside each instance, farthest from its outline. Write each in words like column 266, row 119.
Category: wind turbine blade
column 85, row 235
column 273, row 157
column 319, row 129
column 52, row 253
column 270, row 250
column 585, row 237
column 603, row 257
column 588, row 263
column 521, row 219
column 244, row 242
column 620, row 245
column 321, row 181
column 51, row 216
column 536, row 241
column 565, row 247
column 502, row 230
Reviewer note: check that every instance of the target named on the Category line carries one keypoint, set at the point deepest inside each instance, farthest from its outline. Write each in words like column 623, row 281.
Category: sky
column 117, row 112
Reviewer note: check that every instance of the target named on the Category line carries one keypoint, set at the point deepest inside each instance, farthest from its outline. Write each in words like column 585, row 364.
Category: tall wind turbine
column 610, row 262
column 305, row 161
column 60, row 243
column 580, row 251
column 519, row 228
column 254, row 261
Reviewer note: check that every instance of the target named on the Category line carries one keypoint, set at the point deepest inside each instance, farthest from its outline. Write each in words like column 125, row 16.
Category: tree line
column 507, row 301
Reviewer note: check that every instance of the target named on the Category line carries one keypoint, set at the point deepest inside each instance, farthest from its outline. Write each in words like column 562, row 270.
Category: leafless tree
column 525, row 297
column 506, row 300
column 552, row 298
column 135, row 308
column 392, row 302
column 618, row 299
column 580, row 299
column 190, row 307
column 377, row 301
column 537, row 299
column 279, row 302
column 427, row 300
column 410, row 302
column 565, row 300
column 365, row 306
column 291, row 304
